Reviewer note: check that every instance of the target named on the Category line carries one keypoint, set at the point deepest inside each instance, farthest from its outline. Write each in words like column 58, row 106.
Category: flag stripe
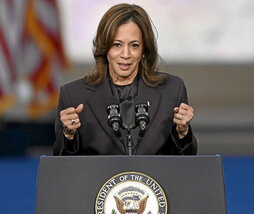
column 6, row 51
column 42, row 41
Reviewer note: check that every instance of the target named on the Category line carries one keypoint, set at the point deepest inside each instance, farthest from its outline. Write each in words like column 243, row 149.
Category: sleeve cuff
column 181, row 143
column 71, row 146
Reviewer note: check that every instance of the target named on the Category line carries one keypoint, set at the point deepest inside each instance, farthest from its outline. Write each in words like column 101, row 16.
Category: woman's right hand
column 70, row 120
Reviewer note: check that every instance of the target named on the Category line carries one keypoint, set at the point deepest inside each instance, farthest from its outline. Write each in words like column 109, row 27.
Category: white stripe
column 12, row 26
column 57, row 73
column 47, row 15
column 17, row 49
column 8, row 24
column 3, row 12
column 18, row 21
column 32, row 57
column 5, row 81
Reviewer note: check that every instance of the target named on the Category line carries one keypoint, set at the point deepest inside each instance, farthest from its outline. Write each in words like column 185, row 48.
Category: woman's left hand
column 182, row 118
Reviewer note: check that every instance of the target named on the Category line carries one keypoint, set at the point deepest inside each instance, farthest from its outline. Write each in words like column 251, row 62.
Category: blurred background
column 47, row 43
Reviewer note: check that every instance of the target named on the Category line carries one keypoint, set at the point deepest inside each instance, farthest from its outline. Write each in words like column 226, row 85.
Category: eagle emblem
column 131, row 200
column 131, row 193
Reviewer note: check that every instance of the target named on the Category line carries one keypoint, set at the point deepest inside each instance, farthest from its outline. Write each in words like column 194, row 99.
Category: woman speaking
column 125, row 104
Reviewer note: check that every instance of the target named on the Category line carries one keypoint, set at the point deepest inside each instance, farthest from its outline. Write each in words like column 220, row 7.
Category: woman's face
column 125, row 54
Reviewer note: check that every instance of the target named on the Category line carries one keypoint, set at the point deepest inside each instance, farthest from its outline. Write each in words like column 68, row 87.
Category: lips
column 124, row 66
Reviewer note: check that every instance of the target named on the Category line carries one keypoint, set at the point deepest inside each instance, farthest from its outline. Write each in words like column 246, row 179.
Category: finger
column 179, row 116
column 187, row 114
column 73, row 115
column 187, row 111
column 178, row 121
column 183, row 119
column 181, row 123
column 74, row 121
column 182, row 111
column 69, row 117
column 185, row 107
column 176, row 109
column 71, row 126
column 67, row 111
column 79, row 108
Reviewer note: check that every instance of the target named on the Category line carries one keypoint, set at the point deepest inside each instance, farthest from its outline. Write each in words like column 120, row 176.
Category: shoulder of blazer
column 77, row 87
column 171, row 81
column 79, row 83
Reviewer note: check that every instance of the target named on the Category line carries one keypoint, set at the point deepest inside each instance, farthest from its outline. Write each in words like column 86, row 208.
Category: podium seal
column 131, row 193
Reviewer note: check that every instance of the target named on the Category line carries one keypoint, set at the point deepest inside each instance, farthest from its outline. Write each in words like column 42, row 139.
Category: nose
column 126, row 53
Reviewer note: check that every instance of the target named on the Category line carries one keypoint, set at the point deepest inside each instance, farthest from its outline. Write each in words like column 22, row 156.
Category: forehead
column 128, row 30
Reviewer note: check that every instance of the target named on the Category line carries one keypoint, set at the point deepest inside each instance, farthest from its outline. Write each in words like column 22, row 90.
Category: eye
column 116, row 44
column 134, row 45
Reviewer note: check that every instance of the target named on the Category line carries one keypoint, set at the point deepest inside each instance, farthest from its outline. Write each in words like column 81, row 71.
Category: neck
column 123, row 80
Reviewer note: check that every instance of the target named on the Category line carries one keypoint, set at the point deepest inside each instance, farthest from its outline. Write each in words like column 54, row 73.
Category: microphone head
column 141, row 108
column 114, row 118
column 112, row 102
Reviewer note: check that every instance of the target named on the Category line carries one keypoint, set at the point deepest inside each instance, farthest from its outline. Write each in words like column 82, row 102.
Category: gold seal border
column 131, row 172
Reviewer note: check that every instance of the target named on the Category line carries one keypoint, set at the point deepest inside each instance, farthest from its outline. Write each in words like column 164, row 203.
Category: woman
column 126, row 57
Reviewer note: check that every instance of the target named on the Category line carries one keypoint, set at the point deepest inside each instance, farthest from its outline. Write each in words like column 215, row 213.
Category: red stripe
column 55, row 38
column 51, row 2
column 10, row 5
column 7, row 54
column 34, row 75
column 51, row 87
column 1, row 93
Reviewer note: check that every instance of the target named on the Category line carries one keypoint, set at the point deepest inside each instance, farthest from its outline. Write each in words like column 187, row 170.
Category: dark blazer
column 95, row 137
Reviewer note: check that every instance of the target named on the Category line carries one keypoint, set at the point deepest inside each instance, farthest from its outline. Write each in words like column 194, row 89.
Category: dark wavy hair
column 112, row 19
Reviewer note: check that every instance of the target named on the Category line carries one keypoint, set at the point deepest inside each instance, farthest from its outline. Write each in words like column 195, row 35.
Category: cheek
column 111, row 56
column 138, row 57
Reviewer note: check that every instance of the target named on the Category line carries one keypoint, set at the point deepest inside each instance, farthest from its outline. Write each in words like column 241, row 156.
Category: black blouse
column 126, row 96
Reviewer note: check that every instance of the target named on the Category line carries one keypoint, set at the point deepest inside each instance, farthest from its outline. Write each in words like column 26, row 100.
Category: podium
column 177, row 184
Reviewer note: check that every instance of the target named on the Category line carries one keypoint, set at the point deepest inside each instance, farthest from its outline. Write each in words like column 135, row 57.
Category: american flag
column 31, row 47
column 10, row 16
column 44, row 60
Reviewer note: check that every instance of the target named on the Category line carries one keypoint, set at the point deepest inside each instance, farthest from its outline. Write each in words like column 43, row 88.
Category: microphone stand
column 130, row 143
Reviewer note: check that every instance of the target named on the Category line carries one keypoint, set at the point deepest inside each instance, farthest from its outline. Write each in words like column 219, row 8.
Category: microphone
column 142, row 117
column 114, row 117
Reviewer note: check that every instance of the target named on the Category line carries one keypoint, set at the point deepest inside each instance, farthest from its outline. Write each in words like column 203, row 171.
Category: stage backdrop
column 188, row 30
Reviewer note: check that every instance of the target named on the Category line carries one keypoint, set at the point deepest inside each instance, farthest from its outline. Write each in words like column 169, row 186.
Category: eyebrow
column 116, row 40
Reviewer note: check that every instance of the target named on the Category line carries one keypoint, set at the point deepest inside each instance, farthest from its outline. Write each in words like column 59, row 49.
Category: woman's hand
column 182, row 118
column 70, row 120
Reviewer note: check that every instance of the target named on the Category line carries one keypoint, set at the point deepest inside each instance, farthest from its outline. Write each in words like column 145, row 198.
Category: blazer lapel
column 98, row 102
column 152, row 96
